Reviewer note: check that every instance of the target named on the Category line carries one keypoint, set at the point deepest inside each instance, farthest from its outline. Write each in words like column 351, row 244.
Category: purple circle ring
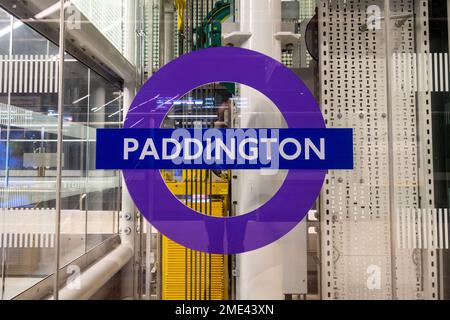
column 243, row 233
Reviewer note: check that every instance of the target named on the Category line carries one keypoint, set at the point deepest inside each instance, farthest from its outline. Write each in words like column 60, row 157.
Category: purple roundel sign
column 237, row 234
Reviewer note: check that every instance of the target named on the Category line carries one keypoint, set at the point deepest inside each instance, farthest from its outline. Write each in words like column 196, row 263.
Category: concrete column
column 128, row 207
column 260, row 271
column 263, row 19
column 127, row 221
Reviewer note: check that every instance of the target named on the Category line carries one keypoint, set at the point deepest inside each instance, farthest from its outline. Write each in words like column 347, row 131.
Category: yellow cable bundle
column 181, row 7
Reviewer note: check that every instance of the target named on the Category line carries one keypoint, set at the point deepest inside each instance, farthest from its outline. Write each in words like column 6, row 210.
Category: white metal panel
column 294, row 261
column 355, row 205
column 360, row 229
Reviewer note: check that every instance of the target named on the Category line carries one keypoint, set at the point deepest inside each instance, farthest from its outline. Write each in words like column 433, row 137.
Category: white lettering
column 149, row 150
column 187, row 149
column 268, row 143
column 129, row 145
column 175, row 154
column 222, row 147
column 253, row 150
column 294, row 142
column 310, row 145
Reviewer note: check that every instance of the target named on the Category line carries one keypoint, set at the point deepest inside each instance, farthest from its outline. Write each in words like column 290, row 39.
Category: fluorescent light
column 188, row 102
column 41, row 15
column 7, row 29
column 209, row 116
column 52, row 9
column 113, row 114
column 106, row 104
column 81, row 99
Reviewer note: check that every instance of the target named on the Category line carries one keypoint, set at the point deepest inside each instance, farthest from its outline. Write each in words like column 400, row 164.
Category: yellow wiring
column 181, row 7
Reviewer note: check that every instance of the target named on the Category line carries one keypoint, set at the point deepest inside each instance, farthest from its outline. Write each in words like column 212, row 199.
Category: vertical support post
column 162, row 32
column 169, row 31
column 392, row 203
column 127, row 217
column 448, row 22
column 260, row 272
column 59, row 148
column 149, row 241
column 425, row 129
column 148, row 262
column 6, row 179
column 130, row 32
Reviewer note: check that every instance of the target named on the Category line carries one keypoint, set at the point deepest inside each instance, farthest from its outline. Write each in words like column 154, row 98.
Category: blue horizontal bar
column 246, row 149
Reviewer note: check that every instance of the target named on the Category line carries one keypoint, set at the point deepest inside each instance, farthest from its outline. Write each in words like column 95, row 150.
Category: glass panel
column 74, row 178
column 28, row 146
column 28, row 157
column 379, row 231
column 5, row 23
column 89, row 197
column 102, row 203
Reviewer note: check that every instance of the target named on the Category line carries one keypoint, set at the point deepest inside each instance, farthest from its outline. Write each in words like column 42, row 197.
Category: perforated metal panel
column 426, row 179
column 155, row 36
column 307, row 8
column 364, row 88
column 403, row 143
column 107, row 16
